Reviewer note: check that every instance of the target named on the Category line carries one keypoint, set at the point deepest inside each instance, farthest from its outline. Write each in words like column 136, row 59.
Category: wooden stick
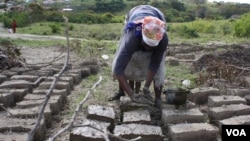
column 55, row 79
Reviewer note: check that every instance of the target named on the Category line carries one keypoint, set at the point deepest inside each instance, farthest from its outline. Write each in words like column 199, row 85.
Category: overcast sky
column 239, row 1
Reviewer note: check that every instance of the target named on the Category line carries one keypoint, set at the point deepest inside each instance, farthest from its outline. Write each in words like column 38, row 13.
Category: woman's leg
column 137, row 87
column 158, row 91
column 131, row 83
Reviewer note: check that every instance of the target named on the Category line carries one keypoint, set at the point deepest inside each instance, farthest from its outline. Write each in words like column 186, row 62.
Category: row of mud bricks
column 23, row 91
column 200, row 119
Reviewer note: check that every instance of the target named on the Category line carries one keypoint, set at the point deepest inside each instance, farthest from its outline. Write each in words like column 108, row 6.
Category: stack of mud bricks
column 201, row 119
column 132, row 124
column 23, row 92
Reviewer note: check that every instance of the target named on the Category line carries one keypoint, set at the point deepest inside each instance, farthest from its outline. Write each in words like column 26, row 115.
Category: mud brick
column 43, row 92
column 247, row 78
column 60, row 85
column 237, row 120
column 86, row 63
column 32, row 113
column 75, row 71
column 55, row 103
column 14, row 136
column 185, row 56
column 20, row 70
column 131, row 131
column 40, row 73
column 101, row 113
column 227, row 111
column 182, row 116
column 16, row 125
column 8, row 73
column 35, row 66
column 215, row 101
column 63, row 79
column 125, row 104
column 94, row 69
column 89, row 133
column 60, row 66
column 188, row 105
column 77, row 78
column 7, row 99
column 34, row 97
column 85, row 72
column 2, row 78
column 137, row 116
column 17, row 84
column 1, row 107
column 55, row 70
column 172, row 61
column 200, row 95
column 30, row 78
column 247, row 97
column 193, row 132
column 239, row 92
column 49, row 71
column 18, row 93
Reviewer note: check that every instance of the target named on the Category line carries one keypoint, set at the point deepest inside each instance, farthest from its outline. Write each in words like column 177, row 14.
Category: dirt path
column 31, row 37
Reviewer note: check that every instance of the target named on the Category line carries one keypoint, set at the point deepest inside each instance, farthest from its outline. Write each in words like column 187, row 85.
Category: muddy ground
column 233, row 61
column 234, row 57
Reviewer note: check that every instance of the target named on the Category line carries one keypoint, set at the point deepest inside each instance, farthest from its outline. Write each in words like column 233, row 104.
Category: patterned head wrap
column 152, row 30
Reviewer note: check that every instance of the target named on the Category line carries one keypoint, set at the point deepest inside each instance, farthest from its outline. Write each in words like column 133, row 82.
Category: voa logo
column 236, row 132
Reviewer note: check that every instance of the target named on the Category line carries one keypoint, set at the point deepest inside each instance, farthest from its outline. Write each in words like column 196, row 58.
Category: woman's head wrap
column 152, row 30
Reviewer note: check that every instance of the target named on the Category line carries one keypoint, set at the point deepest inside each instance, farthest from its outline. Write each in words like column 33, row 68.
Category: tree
column 35, row 12
column 198, row 1
column 201, row 11
column 109, row 6
column 178, row 6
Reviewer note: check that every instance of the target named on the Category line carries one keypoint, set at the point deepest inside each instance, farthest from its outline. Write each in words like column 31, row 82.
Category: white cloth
column 137, row 68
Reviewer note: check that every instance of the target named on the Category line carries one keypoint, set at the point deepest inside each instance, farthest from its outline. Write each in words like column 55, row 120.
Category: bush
column 55, row 28
column 204, row 26
column 226, row 28
column 71, row 27
column 20, row 17
column 242, row 26
column 186, row 31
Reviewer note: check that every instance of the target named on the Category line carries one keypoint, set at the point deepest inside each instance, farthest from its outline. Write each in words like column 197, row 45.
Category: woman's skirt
column 138, row 65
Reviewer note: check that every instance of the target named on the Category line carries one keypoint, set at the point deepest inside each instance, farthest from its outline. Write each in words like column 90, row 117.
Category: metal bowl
column 176, row 96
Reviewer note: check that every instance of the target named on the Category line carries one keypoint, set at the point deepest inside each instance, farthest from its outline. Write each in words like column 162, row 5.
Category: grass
column 86, row 31
column 113, row 31
column 36, row 43
column 177, row 73
column 103, row 39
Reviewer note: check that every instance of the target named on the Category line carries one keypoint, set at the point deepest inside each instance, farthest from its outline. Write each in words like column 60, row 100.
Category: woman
column 141, row 52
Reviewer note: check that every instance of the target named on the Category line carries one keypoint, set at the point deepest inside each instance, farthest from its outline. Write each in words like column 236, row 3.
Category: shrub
column 242, row 26
column 186, row 31
column 55, row 28
column 71, row 27
column 226, row 28
column 204, row 26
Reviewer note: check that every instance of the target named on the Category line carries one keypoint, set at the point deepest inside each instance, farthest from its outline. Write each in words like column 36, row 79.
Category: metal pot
column 176, row 96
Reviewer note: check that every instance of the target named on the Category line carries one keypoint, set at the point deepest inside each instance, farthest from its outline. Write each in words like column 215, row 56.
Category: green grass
column 36, row 43
column 113, row 31
column 177, row 73
column 96, row 35
column 86, row 31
